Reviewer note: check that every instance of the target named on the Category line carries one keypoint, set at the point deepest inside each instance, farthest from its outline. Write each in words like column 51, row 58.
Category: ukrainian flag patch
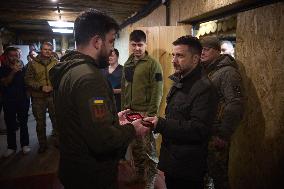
column 98, row 108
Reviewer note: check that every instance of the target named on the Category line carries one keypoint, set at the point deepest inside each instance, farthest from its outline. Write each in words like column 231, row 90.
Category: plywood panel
column 257, row 150
column 156, row 18
column 186, row 9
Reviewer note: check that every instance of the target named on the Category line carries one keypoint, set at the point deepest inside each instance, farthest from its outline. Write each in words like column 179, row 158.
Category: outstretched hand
column 141, row 130
column 153, row 120
column 122, row 118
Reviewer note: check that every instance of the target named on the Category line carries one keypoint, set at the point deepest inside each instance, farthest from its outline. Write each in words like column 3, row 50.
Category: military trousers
column 40, row 105
column 218, row 161
column 145, row 159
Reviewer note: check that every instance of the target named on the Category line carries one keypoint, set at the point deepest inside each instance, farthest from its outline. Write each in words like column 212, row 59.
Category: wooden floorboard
column 33, row 171
column 20, row 165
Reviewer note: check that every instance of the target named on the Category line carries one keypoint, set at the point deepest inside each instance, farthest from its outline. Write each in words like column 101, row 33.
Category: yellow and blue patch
column 98, row 108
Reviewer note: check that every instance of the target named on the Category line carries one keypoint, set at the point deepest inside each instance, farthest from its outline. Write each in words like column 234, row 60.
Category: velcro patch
column 237, row 91
column 158, row 77
column 98, row 108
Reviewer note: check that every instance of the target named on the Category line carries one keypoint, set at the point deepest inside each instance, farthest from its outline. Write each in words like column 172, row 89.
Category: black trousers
column 176, row 183
column 16, row 110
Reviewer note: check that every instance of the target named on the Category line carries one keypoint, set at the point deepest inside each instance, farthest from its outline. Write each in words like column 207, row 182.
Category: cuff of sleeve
column 40, row 88
column 131, row 129
column 224, row 134
column 160, row 126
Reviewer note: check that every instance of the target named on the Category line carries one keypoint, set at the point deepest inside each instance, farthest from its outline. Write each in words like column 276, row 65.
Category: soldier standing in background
column 222, row 70
column 41, row 90
column 142, row 91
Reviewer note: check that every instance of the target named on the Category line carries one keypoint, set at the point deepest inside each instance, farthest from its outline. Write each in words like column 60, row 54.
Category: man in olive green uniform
column 37, row 80
column 91, row 138
column 142, row 89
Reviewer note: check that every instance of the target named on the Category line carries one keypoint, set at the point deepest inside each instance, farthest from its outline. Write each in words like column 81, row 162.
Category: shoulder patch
column 98, row 108
column 158, row 77
column 237, row 91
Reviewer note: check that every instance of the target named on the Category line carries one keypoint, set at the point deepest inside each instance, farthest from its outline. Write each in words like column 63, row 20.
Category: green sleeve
column 156, row 88
column 30, row 78
column 122, row 90
column 100, row 129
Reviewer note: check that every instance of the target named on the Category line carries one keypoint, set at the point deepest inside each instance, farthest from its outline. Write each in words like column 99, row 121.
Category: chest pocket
column 129, row 73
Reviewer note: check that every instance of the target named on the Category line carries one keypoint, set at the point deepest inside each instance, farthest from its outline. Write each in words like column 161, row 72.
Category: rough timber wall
column 156, row 18
column 185, row 9
column 258, row 146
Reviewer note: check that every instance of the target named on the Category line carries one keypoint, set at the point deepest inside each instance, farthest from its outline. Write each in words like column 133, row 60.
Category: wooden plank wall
column 156, row 18
column 185, row 9
column 257, row 155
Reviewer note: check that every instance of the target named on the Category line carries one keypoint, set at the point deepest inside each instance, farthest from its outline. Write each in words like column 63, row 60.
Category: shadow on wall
column 256, row 161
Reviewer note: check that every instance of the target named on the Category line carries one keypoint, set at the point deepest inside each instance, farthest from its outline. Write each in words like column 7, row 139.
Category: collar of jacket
column 78, row 56
column 221, row 61
column 44, row 61
column 145, row 58
column 178, row 80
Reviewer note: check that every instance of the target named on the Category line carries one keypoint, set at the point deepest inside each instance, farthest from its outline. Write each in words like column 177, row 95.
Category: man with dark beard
column 91, row 140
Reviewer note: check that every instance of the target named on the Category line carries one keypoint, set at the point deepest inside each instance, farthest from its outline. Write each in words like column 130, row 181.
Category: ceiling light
column 54, row 0
column 61, row 24
column 62, row 30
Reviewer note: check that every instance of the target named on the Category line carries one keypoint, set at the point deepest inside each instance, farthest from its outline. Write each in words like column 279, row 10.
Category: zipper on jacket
column 46, row 80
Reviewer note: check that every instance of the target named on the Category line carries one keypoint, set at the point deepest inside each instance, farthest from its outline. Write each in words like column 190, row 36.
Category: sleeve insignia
column 98, row 108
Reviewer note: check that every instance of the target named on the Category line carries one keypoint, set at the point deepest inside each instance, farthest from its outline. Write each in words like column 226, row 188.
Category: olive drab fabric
column 225, row 76
column 142, row 85
column 91, row 139
column 141, row 91
column 37, row 75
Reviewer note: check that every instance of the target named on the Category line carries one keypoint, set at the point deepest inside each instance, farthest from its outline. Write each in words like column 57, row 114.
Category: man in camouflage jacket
column 222, row 70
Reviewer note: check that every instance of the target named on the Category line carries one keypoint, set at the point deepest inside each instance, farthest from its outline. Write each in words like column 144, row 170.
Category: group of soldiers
column 20, row 83
column 204, row 108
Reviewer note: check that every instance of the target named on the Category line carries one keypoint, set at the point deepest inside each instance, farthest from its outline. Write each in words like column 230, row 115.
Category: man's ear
column 196, row 59
column 96, row 42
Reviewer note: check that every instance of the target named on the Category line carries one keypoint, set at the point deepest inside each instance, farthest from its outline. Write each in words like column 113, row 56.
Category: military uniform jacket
column 224, row 74
column 91, row 139
column 142, row 85
column 190, row 110
column 37, row 76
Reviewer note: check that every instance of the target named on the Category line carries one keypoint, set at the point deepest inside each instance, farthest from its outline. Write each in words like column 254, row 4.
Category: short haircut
column 46, row 43
column 9, row 49
column 116, row 52
column 193, row 44
column 90, row 23
column 137, row 36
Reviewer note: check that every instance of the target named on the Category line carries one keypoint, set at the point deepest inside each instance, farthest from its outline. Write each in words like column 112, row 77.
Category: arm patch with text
column 98, row 108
